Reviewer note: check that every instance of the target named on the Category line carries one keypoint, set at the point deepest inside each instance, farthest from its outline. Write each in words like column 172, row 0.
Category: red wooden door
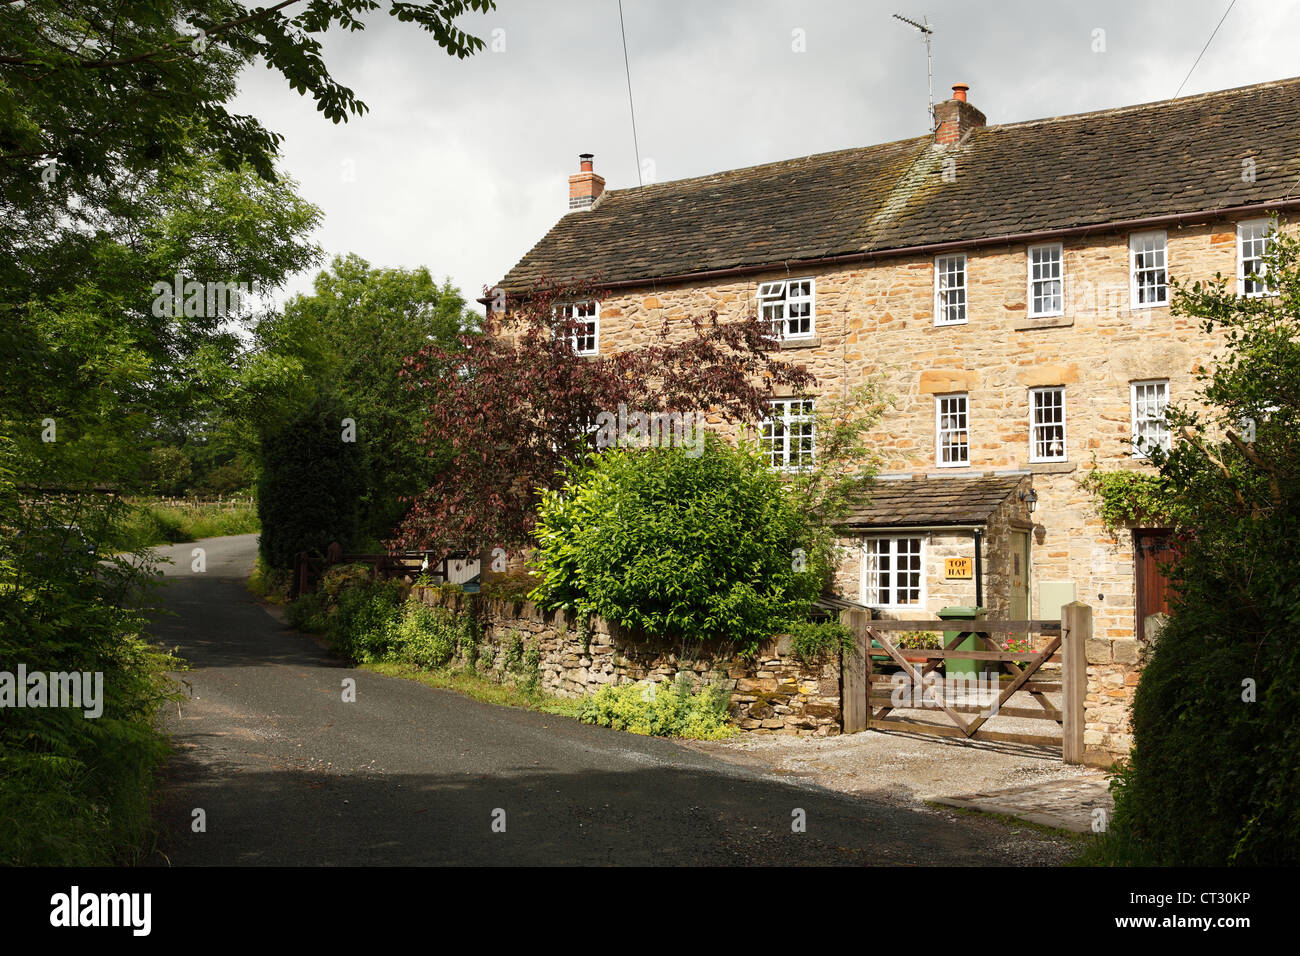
column 1152, row 548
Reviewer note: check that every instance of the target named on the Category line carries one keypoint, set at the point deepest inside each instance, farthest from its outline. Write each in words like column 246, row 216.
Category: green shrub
column 340, row 577
column 709, row 548
column 1213, row 776
column 532, row 669
column 660, row 710
column 361, row 626
column 514, row 653
column 312, row 482
column 75, row 791
column 811, row 640
column 310, row 612
column 425, row 636
column 270, row 584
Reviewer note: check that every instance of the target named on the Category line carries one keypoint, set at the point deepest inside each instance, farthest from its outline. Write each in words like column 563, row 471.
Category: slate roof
column 933, row 501
column 1163, row 158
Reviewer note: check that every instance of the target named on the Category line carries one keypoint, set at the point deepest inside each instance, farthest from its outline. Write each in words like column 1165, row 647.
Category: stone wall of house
column 775, row 692
column 875, row 323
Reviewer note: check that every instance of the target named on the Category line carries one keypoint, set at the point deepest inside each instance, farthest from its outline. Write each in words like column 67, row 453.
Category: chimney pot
column 954, row 119
column 585, row 186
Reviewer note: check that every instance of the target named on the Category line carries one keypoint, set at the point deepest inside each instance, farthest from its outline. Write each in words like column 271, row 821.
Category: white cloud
column 461, row 166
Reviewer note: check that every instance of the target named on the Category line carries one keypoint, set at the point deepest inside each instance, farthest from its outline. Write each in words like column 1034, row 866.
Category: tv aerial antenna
column 926, row 32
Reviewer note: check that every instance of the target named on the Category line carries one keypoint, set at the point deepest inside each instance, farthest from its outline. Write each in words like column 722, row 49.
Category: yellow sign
column 957, row 568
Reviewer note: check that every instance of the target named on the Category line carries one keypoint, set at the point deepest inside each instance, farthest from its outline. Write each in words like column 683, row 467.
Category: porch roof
column 918, row 502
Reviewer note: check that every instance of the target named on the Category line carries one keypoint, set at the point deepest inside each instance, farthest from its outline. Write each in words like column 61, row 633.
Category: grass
column 1080, row 840
column 480, row 688
column 154, row 522
column 269, row 584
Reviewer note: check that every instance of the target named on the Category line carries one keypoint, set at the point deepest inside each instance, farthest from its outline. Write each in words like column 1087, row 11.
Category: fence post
column 853, row 672
column 1076, row 630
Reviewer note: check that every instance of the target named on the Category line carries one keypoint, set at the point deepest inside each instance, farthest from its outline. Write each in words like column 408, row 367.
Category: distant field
column 170, row 520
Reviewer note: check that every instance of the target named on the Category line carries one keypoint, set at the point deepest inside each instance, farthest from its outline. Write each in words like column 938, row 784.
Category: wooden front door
column 1018, row 605
column 1151, row 549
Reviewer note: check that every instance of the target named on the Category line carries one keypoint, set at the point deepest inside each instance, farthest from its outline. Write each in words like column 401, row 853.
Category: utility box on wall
column 1052, row 596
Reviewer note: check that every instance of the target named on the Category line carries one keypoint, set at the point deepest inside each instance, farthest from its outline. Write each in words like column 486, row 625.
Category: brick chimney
column 955, row 118
column 585, row 187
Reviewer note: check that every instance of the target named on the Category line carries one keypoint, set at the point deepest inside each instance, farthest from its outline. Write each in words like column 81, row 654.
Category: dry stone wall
column 774, row 692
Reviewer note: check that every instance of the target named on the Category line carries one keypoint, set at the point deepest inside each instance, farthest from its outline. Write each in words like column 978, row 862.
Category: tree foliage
column 107, row 91
column 1216, row 719
column 519, row 403
column 350, row 338
column 706, row 548
column 310, row 490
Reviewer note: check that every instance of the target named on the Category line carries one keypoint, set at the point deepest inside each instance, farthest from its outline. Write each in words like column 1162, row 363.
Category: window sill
column 1044, row 322
column 1052, row 467
column 809, row 342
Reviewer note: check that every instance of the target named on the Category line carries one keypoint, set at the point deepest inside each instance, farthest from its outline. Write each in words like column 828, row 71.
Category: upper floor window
column 585, row 335
column 952, row 435
column 1149, row 279
column 1149, row 428
column 788, row 306
column 1047, row 424
column 1252, row 243
column 950, row 290
column 787, row 437
column 1046, row 280
column 893, row 572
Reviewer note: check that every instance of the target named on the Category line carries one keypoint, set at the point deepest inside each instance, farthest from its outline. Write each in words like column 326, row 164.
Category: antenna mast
column 926, row 32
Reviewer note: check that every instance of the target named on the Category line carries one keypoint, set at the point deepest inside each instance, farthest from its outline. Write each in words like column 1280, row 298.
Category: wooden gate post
column 853, row 672
column 1076, row 630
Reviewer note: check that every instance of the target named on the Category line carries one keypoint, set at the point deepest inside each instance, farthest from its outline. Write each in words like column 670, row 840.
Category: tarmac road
column 287, row 773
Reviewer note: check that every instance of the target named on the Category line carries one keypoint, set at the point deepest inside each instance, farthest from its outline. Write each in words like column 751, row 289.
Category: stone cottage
column 1008, row 285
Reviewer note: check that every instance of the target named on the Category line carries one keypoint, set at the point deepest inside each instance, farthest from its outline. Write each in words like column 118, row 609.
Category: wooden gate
column 866, row 680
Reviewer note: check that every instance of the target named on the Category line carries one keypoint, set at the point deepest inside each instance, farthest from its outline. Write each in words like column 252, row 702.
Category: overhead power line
column 630, row 108
column 1206, row 47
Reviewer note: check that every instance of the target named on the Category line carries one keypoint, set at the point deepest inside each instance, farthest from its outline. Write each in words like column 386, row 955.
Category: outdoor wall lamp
column 1030, row 498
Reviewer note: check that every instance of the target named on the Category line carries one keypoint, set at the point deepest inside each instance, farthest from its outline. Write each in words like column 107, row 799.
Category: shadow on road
column 650, row 816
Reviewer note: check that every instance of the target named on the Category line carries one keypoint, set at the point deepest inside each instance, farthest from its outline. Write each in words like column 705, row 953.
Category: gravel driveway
column 901, row 768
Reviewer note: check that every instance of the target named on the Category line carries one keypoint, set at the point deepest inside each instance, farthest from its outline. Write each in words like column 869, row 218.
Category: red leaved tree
column 511, row 406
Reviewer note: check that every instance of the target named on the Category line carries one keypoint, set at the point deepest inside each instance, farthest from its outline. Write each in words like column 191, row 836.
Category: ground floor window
column 893, row 572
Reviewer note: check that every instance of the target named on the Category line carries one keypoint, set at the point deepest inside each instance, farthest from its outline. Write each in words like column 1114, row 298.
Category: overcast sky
column 462, row 165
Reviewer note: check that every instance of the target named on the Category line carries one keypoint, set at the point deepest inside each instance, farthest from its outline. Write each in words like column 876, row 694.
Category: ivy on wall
column 1126, row 498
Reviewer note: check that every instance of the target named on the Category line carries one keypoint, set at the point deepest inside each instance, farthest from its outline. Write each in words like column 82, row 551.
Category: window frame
column 766, row 442
column 940, row 307
column 1035, row 425
column 863, row 565
column 593, row 320
column 939, row 430
column 1029, row 272
column 784, row 300
column 1266, row 225
column 1133, row 285
column 1167, row 442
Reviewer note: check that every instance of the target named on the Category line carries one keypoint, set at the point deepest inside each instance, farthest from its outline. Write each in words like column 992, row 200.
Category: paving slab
column 1063, row 804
